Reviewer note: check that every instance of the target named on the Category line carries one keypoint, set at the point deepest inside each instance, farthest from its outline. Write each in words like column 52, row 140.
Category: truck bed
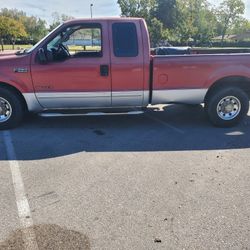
column 187, row 78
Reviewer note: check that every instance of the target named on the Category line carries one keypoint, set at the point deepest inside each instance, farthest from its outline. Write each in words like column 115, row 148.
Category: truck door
column 77, row 74
column 127, row 69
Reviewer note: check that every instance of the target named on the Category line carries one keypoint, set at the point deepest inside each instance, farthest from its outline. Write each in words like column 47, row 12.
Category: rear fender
column 225, row 72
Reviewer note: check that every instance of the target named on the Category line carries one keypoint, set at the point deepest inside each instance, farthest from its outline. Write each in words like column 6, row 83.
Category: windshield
column 36, row 45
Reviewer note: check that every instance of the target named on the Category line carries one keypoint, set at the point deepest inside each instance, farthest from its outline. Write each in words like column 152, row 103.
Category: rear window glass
column 125, row 40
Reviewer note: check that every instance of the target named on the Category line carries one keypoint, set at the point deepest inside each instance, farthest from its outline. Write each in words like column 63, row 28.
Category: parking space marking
column 24, row 213
column 180, row 131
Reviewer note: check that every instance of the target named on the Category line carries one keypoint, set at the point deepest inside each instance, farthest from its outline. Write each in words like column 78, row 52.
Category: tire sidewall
column 17, row 109
column 213, row 102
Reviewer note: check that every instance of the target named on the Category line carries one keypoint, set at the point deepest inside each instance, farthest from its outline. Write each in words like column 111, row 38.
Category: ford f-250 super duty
column 94, row 65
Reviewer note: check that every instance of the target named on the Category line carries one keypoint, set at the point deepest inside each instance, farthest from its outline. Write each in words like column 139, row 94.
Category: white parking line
column 24, row 214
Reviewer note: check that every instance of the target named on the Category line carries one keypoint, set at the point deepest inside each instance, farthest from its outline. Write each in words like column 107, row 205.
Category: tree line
column 17, row 26
column 188, row 21
column 177, row 21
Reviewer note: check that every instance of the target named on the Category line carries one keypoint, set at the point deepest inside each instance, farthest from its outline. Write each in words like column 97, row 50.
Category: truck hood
column 13, row 60
column 8, row 52
column 11, row 65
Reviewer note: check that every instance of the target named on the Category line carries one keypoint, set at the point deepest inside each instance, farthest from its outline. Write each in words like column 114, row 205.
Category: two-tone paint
column 131, row 82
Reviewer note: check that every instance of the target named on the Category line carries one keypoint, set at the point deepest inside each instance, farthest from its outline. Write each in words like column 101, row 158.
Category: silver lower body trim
column 57, row 100
column 32, row 102
column 91, row 99
column 185, row 96
column 127, row 98
column 74, row 99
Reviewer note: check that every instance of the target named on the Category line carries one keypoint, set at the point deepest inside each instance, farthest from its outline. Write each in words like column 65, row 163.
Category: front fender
column 14, row 82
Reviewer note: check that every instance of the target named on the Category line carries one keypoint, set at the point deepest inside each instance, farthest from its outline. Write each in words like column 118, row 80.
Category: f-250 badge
column 21, row 70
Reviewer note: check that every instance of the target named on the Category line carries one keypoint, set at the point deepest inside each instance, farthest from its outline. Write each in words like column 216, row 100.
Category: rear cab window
column 125, row 40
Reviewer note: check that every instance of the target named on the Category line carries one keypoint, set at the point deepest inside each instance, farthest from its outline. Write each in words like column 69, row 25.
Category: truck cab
column 86, row 64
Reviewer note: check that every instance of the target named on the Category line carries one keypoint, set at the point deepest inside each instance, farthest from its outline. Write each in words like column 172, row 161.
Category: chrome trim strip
column 127, row 93
column 88, row 94
column 32, row 102
column 186, row 96
column 90, row 114
column 72, row 94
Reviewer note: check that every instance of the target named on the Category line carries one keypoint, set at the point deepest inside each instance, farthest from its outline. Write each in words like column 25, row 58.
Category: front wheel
column 11, row 109
column 227, row 107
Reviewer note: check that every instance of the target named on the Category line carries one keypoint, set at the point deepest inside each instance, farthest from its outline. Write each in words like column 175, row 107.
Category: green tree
column 58, row 19
column 196, row 21
column 240, row 26
column 166, row 11
column 230, row 11
column 35, row 27
column 137, row 8
column 13, row 13
column 147, row 10
column 157, row 32
column 10, row 30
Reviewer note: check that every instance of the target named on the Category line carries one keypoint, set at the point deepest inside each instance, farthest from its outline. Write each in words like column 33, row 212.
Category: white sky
column 76, row 8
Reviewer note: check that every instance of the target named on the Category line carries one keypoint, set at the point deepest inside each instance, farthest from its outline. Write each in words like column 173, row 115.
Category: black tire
column 233, row 98
column 11, row 101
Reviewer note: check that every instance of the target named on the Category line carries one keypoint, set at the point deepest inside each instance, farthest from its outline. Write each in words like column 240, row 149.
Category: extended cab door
column 127, row 63
column 77, row 73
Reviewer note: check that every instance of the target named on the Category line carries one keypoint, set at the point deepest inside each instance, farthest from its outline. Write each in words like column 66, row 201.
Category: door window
column 76, row 41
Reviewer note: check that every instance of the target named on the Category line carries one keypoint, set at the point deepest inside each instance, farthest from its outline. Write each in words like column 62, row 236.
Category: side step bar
column 57, row 114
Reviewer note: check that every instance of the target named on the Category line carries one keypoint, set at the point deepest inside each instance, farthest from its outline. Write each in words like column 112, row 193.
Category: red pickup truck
column 104, row 65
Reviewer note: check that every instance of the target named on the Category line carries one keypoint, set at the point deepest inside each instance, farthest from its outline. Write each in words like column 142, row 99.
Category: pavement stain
column 157, row 240
column 46, row 194
column 49, row 237
column 99, row 132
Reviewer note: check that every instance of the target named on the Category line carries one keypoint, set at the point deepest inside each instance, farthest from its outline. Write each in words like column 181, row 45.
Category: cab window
column 125, row 41
column 76, row 41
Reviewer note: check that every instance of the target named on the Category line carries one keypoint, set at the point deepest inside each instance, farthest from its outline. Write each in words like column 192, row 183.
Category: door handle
column 104, row 70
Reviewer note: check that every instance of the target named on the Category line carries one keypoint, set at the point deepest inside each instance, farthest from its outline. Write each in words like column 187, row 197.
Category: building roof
column 238, row 37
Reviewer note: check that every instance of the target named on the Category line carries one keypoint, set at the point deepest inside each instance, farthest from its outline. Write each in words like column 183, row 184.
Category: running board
column 88, row 114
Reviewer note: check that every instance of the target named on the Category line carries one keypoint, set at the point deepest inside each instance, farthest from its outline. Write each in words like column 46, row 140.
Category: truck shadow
column 178, row 128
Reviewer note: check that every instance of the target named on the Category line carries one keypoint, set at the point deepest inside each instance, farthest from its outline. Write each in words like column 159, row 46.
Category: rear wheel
column 227, row 107
column 11, row 109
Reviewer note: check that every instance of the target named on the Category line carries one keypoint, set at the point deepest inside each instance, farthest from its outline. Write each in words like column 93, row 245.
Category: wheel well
column 233, row 81
column 16, row 91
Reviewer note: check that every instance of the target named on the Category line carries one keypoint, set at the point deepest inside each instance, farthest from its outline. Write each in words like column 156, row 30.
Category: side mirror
column 41, row 56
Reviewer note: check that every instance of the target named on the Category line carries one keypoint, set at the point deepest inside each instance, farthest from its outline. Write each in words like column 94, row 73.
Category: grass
column 81, row 48
column 220, row 47
column 71, row 48
column 16, row 47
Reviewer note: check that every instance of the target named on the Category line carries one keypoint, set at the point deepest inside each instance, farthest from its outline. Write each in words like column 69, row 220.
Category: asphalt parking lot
column 162, row 180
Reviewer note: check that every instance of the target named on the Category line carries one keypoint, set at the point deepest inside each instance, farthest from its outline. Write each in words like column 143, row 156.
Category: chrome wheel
column 5, row 110
column 228, row 108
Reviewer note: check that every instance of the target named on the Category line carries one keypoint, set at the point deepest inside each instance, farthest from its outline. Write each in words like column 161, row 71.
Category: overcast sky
column 76, row 8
